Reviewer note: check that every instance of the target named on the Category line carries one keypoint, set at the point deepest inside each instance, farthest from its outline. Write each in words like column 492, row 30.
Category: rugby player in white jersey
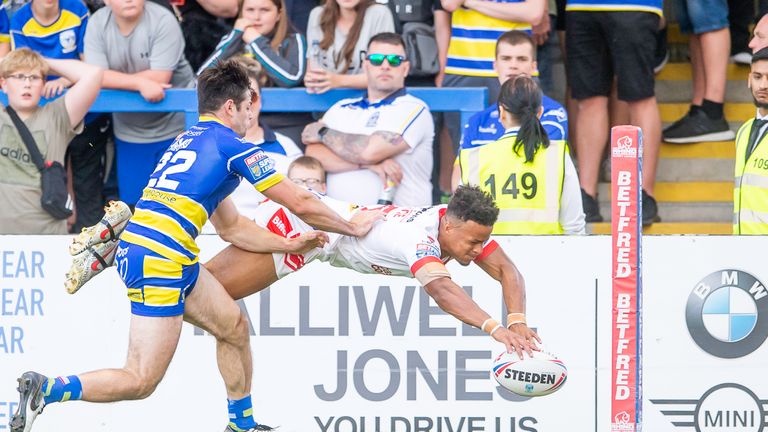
column 411, row 242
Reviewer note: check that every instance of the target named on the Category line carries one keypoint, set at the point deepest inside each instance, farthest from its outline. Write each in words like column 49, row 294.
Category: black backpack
column 411, row 17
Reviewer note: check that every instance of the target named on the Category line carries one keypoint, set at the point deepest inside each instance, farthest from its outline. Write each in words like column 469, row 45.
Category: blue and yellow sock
column 241, row 414
column 62, row 389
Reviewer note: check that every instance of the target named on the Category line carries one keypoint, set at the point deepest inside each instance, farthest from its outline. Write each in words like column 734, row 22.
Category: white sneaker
column 89, row 263
column 116, row 216
column 31, row 401
column 742, row 58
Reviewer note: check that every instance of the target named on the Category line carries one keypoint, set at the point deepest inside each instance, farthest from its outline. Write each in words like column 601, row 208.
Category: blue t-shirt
column 61, row 40
column 5, row 25
column 485, row 126
column 201, row 168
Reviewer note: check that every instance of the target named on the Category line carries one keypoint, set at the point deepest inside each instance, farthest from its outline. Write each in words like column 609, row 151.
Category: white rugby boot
column 88, row 263
column 31, row 401
column 116, row 216
column 259, row 427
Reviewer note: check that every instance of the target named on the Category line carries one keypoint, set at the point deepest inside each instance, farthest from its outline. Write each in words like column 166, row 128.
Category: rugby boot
column 116, row 216
column 89, row 263
column 258, row 427
column 31, row 401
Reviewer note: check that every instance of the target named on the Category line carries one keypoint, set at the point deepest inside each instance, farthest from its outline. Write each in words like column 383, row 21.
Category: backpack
column 410, row 18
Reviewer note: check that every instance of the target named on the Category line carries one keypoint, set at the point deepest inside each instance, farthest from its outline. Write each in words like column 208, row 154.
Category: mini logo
column 622, row 422
column 427, row 249
column 489, row 129
column 373, row 120
column 621, row 418
column 724, row 407
column 624, row 148
column 529, row 388
column 727, row 314
column 381, row 270
column 68, row 41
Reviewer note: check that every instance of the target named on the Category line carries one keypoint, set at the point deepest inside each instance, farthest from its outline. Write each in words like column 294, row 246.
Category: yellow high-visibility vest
column 527, row 194
column 750, row 191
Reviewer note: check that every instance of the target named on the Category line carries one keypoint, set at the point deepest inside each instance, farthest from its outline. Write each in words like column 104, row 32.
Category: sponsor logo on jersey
column 381, row 270
column 259, row 164
column 427, row 249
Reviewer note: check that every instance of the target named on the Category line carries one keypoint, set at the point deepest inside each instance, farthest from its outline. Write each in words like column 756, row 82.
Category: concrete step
column 663, row 228
column 684, row 72
column 677, row 91
column 720, row 212
column 687, row 192
column 714, row 150
column 695, row 170
column 734, row 112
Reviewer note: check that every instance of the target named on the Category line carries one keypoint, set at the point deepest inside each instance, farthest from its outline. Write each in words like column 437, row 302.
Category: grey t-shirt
column 157, row 44
column 378, row 19
column 20, row 211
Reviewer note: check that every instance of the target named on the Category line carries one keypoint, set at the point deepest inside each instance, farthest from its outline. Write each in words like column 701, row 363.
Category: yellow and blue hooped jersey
column 201, row 168
column 5, row 24
column 61, row 40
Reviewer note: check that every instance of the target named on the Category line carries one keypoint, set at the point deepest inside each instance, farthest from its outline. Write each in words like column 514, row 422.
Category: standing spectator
column 599, row 47
column 475, row 26
column 141, row 47
column 342, row 28
column 263, row 31
column 56, row 29
column 203, row 22
column 5, row 31
column 760, row 39
column 750, row 193
column 709, row 46
column 530, row 177
column 52, row 126
column 366, row 140
column 515, row 56
column 298, row 12
column 741, row 13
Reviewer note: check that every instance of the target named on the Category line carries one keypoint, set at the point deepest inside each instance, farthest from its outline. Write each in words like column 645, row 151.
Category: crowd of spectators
column 387, row 140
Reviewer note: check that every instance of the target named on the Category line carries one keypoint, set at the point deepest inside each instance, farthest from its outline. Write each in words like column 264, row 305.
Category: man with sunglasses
column 384, row 135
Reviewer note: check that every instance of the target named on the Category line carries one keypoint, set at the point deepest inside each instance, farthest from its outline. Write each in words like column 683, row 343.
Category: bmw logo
column 727, row 313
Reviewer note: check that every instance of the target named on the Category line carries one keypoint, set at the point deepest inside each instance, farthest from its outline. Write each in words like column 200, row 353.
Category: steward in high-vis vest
column 750, row 191
column 532, row 179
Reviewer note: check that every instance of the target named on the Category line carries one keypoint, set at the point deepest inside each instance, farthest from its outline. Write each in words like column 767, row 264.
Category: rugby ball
column 539, row 375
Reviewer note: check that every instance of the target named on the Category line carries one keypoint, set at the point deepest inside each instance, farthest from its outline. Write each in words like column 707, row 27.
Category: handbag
column 55, row 198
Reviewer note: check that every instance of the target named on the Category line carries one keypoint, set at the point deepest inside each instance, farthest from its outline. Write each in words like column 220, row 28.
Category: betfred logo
column 624, row 148
column 279, row 223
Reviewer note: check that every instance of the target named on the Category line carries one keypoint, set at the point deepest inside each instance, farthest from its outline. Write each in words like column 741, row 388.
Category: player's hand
column 306, row 242
column 526, row 332
column 55, row 87
column 514, row 342
column 310, row 133
column 363, row 221
column 152, row 91
column 388, row 169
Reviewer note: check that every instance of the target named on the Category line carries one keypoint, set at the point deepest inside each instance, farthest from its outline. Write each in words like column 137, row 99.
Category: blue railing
column 466, row 101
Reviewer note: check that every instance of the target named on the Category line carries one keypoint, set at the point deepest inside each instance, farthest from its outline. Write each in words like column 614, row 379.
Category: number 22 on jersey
column 172, row 163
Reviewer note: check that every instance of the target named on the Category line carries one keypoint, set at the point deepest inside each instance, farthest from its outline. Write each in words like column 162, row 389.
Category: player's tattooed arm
column 365, row 149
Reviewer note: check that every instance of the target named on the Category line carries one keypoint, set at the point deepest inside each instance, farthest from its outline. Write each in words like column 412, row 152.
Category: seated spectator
column 52, row 126
column 5, row 31
column 262, row 31
column 279, row 147
column 515, row 56
column 308, row 172
column 141, row 47
column 530, row 177
column 385, row 135
column 340, row 31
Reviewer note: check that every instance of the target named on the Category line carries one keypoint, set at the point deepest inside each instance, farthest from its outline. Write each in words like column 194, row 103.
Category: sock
column 62, row 389
column 694, row 109
column 713, row 110
column 241, row 414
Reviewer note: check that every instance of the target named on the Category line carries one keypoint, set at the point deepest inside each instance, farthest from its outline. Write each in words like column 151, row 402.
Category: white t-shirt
column 400, row 113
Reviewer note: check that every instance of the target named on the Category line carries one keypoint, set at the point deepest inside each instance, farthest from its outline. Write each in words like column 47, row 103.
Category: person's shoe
column 258, row 427
column 31, row 401
column 650, row 209
column 89, row 263
column 661, row 56
column 697, row 127
column 116, row 216
column 742, row 58
column 591, row 208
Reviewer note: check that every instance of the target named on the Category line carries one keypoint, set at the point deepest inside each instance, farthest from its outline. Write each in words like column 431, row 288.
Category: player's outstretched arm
column 454, row 300
column 244, row 233
column 498, row 265
column 311, row 210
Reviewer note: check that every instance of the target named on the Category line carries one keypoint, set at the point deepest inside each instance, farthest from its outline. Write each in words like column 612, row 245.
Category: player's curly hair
column 470, row 203
column 227, row 80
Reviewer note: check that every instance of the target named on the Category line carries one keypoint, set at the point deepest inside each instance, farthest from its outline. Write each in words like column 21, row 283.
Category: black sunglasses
column 394, row 60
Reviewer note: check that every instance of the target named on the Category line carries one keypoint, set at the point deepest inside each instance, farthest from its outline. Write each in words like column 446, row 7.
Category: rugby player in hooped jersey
column 157, row 256
column 411, row 242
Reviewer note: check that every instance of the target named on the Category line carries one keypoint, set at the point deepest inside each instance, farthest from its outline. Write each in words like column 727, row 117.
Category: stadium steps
column 694, row 188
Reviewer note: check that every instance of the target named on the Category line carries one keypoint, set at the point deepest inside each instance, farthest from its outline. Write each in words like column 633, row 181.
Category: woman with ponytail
column 530, row 177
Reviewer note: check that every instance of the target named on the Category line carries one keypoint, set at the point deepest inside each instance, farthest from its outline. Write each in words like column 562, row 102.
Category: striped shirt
column 473, row 41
